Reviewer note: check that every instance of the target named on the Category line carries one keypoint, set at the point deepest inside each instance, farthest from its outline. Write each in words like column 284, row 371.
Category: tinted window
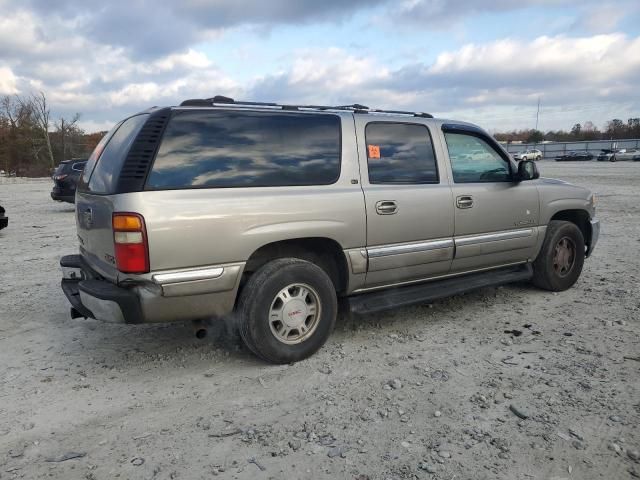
column 247, row 149
column 95, row 155
column 400, row 153
column 105, row 175
column 474, row 160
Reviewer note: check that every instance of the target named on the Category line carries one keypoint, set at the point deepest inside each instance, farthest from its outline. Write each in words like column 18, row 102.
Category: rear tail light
column 130, row 243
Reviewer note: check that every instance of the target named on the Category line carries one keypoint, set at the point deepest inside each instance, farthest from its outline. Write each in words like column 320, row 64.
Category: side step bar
column 427, row 292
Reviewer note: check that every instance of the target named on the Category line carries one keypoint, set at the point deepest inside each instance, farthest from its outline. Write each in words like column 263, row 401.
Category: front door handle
column 386, row 207
column 464, row 201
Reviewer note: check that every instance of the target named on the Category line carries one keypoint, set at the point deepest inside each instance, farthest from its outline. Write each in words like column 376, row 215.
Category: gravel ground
column 438, row 391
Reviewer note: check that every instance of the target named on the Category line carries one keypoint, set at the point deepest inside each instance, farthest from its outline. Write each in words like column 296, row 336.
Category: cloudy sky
column 487, row 62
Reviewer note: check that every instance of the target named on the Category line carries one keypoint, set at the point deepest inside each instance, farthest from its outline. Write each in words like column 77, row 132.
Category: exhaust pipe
column 200, row 329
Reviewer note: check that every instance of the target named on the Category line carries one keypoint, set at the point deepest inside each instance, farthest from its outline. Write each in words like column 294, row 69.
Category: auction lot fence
column 554, row 149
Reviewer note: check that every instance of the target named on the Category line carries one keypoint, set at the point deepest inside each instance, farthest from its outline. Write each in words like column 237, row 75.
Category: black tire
column 538, row 158
column 260, row 293
column 612, row 159
column 548, row 270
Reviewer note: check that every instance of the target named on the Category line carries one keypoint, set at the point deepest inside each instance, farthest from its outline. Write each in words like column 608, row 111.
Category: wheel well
column 580, row 218
column 324, row 252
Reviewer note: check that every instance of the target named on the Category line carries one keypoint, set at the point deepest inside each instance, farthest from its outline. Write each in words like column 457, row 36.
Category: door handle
column 386, row 207
column 464, row 201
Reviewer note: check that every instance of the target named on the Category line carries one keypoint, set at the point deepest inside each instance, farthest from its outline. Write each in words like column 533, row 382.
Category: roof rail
column 355, row 108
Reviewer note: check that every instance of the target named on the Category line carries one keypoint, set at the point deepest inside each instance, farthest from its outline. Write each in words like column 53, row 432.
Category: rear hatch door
column 97, row 194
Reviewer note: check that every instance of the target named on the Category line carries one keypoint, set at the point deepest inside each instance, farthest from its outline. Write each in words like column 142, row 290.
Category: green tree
column 535, row 136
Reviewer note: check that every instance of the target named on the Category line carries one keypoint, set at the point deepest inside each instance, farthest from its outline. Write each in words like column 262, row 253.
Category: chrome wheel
column 564, row 256
column 294, row 313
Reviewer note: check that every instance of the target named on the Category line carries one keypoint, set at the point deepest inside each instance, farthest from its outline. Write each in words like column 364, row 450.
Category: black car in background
column 4, row 221
column 575, row 157
column 65, row 179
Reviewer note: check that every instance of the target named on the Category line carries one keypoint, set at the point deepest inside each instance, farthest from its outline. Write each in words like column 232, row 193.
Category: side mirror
column 527, row 170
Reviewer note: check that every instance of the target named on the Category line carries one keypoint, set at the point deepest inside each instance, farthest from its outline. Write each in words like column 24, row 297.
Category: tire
column 263, row 316
column 561, row 258
column 612, row 159
column 538, row 158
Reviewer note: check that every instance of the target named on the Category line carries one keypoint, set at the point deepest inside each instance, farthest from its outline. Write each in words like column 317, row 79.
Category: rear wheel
column 538, row 158
column 287, row 310
column 561, row 258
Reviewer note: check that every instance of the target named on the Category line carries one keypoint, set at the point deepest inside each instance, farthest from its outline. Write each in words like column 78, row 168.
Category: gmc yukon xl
column 274, row 212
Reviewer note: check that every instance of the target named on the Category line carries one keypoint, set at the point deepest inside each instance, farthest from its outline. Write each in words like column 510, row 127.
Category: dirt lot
column 425, row 392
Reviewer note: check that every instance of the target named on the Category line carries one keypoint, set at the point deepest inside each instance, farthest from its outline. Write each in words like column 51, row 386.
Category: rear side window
column 111, row 155
column 400, row 153
column 247, row 149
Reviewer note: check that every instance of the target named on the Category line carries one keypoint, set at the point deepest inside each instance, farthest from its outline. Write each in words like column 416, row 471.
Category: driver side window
column 475, row 161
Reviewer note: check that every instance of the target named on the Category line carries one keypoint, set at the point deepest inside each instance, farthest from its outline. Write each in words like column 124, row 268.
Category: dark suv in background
column 65, row 179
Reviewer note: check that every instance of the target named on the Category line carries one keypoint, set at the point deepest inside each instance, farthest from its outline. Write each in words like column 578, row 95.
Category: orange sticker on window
column 374, row 151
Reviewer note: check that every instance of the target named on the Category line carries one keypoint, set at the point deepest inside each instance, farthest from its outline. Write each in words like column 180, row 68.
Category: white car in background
column 531, row 154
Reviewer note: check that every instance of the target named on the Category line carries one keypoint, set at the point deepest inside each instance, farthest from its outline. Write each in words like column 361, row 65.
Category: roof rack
column 355, row 108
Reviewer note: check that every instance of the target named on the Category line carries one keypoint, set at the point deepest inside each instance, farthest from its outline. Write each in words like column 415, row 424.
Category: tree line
column 32, row 143
column 615, row 129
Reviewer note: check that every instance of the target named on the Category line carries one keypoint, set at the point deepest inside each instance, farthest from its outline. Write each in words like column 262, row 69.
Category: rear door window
column 400, row 153
column 247, row 149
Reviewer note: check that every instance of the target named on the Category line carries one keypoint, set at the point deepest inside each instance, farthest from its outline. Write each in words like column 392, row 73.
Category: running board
column 427, row 292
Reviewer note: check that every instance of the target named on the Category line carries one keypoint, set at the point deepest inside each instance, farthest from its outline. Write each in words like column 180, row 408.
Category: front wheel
column 287, row 310
column 561, row 258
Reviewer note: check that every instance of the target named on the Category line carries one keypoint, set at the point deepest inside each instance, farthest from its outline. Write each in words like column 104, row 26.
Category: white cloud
column 613, row 55
column 8, row 82
column 503, row 75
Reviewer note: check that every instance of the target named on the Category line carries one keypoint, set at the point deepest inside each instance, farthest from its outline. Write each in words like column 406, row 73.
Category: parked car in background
column 619, row 155
column 625, row 154
column 383, row 208
column 605, row 155
column 531, row 154
column 4, row 221
column 575, row 157
column 65, row 179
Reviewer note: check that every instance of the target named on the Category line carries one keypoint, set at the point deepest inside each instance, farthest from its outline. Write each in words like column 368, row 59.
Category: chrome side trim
column 188, row 276
column 409, row 248
column 492, row 237
column 437, row 277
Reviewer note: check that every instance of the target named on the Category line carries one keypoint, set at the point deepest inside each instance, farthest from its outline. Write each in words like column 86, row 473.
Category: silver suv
column 531, row 154
column 274, row 212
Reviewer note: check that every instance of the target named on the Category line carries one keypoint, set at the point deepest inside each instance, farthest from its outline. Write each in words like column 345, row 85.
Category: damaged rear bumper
column 92, row 297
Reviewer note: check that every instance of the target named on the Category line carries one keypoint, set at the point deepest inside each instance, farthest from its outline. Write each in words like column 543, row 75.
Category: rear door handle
column 464, row 201
column 386, row 207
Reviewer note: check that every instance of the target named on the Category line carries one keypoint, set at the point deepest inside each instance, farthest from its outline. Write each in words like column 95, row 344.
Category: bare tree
column 67, row 128
column 42, row 114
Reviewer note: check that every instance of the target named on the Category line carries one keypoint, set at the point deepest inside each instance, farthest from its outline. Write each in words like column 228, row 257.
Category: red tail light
column 130, row 243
